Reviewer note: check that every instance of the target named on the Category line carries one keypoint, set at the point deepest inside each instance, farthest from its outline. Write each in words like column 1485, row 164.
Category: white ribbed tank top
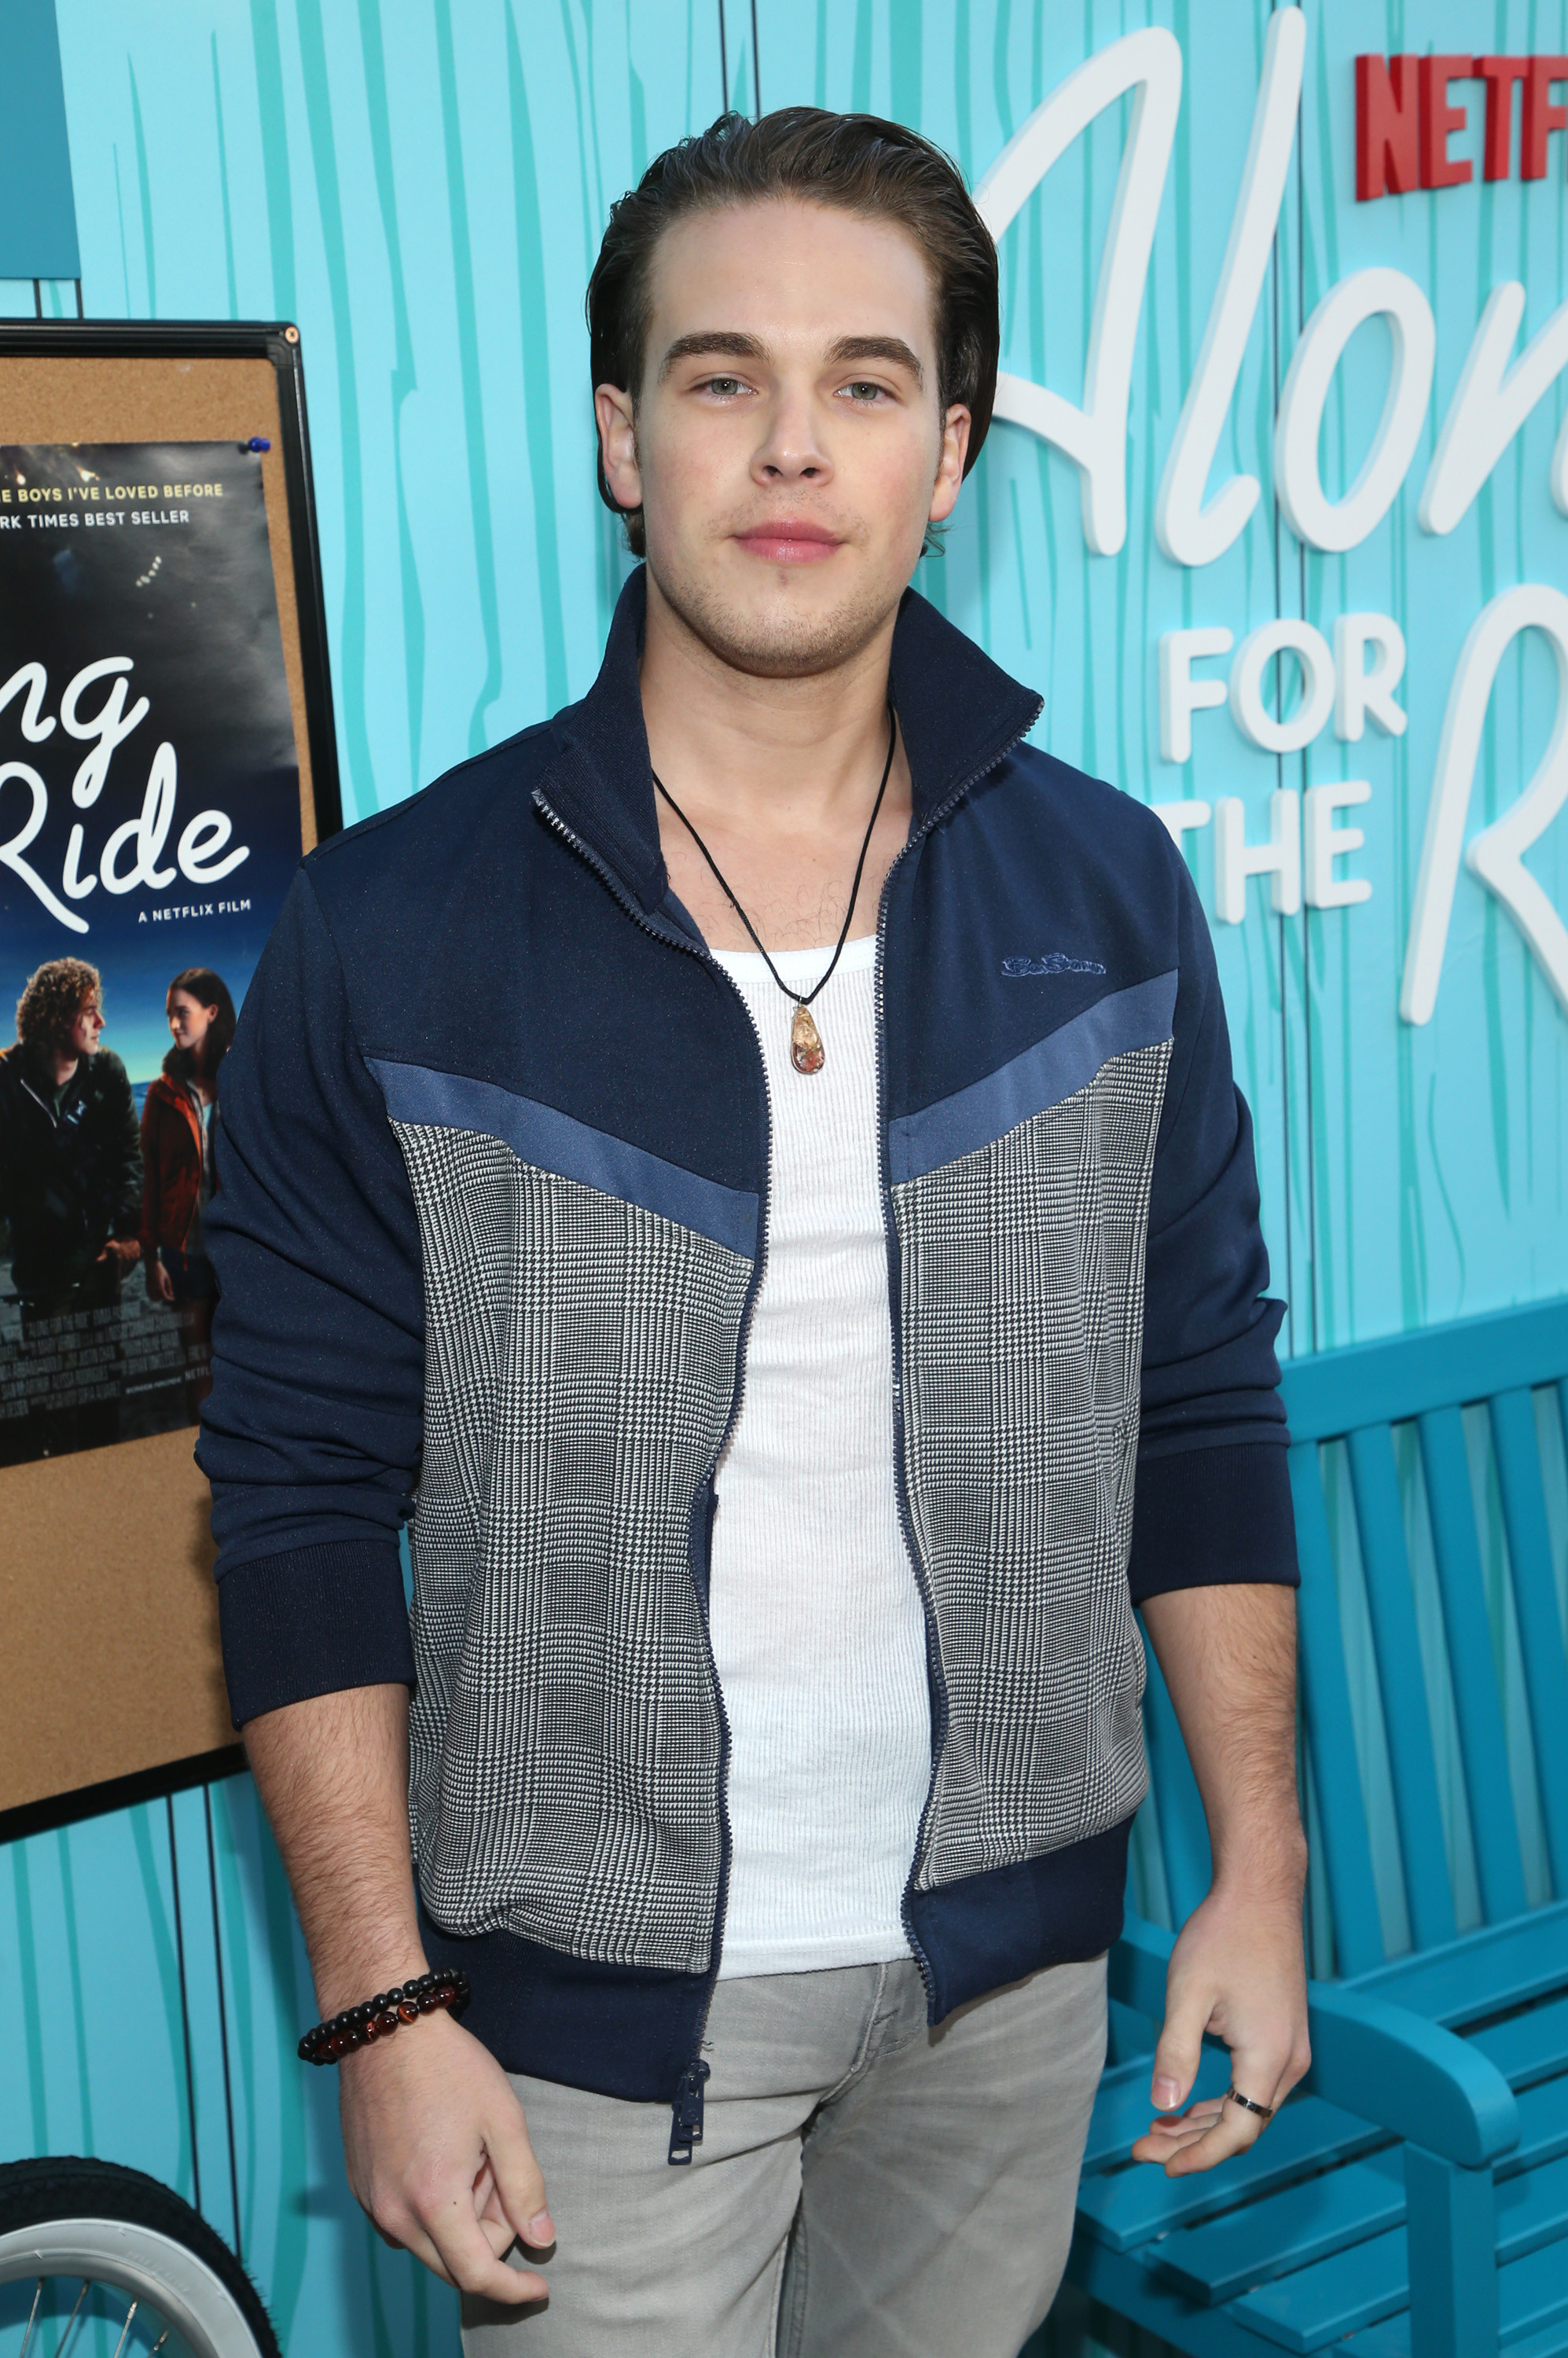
column 817, row 1631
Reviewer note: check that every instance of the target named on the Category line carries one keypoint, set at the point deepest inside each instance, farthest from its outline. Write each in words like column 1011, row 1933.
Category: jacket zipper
column 936, row 1681
column 686, row 2122
column 54, row 1117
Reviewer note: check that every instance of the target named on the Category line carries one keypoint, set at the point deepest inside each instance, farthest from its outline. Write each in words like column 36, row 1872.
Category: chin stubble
column 787, row 645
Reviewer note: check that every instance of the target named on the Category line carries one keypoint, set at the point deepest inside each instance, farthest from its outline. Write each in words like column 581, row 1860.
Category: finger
column 1179, row 2051
column 493, row 2224
column 459, row 2251
column 1195, row 2121
column 1158, row 2144
column 1236, row 2129
column 1164, row 2137
column 519, row 2182
column 1203, row 2116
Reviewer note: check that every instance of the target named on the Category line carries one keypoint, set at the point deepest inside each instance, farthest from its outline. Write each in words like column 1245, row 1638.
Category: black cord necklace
column 806, row 1052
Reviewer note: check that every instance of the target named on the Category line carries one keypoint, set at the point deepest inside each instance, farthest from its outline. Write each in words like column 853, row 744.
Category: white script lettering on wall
column 132, row 852
column 1496, row 854
column 1490, row 403
column 1189, row 532
column 1095, row 437
column 1373, row 294
column 1488, row 409
column 1282, row 681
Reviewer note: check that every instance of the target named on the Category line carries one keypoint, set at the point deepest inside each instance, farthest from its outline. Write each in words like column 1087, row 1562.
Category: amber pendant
column 806, row 1052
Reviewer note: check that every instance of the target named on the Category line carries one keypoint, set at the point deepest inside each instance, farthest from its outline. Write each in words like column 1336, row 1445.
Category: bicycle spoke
column 125, row 2328
column 157, row 2345
column 70, row 2320
column 33, row 2318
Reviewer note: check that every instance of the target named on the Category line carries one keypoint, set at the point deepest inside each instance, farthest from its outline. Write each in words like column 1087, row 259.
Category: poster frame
column 51, row 343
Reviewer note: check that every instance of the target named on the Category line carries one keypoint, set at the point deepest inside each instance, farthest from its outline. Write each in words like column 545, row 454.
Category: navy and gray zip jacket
column 494, row 1215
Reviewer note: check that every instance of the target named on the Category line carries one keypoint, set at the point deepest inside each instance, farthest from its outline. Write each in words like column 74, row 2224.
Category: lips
column 789, row 543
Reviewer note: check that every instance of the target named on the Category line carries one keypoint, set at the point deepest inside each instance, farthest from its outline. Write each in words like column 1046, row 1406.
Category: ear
column 950, row 465
column 617, row 425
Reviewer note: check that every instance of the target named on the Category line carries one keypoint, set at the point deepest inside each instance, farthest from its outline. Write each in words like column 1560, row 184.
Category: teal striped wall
column 420, row 184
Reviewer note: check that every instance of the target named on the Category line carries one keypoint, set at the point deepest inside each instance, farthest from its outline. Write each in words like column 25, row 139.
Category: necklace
column 806, row 1052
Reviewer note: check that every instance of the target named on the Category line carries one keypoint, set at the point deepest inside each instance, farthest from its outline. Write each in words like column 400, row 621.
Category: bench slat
column 1528, row 2047
column 1481, row 1972
column 1329, row 1392
column 1290, row 2230
column 1532, row 2300
column 1301, row 2243
column 1515, row 1442
column 1331, row 1741
column 1333, row 2296
column 1390, row 1599
column 1216, row 2261
column 1125, row 2207
column 1478, row 1705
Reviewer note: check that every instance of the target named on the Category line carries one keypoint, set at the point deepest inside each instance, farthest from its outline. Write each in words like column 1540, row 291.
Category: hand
column 124, row 1251
column 438, row 2156
column 160, row 1285
column 1237, row 1970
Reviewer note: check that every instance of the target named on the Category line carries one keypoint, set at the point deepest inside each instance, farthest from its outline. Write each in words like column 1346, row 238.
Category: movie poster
column 149, row 825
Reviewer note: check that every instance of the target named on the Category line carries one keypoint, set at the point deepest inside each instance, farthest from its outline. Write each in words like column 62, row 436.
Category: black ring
column 1233, row 2096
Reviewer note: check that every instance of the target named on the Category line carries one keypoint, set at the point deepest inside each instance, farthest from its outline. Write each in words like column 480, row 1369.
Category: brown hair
column 54, row 998
column 857, row 162
column 208, row 989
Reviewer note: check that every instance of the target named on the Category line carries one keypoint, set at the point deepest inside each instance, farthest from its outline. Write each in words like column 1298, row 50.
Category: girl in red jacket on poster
column 177, row 1163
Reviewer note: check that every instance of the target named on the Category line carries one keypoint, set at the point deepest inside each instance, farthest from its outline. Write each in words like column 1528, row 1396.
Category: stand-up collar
column 960, row 713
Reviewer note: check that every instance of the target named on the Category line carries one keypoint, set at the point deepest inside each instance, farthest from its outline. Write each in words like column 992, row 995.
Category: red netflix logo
column 1405, row 119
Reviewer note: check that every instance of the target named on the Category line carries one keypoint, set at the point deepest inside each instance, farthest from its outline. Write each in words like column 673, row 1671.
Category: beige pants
column 866, row 2188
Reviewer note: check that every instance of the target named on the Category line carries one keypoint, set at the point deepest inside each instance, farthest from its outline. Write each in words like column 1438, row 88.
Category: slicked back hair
column 858, row 163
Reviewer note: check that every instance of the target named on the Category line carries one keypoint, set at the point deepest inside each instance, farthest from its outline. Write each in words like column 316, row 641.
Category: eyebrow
column 737, row 346
column 892, row 348
column 727, row 340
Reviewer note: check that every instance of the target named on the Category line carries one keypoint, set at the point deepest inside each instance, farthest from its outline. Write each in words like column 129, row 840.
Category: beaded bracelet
column 357, row 2025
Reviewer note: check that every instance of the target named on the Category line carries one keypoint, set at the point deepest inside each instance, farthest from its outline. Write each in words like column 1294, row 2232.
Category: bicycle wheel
column 111, row 2249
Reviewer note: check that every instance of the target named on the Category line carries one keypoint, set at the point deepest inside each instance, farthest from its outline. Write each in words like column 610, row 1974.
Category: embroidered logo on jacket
column 1053, row 962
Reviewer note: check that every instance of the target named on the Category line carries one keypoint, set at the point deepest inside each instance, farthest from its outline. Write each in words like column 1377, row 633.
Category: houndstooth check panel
column 1023, row 1311
column 565, row 1734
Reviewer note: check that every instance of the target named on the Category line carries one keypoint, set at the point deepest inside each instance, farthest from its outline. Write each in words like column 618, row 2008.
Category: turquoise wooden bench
column 1411, row 2199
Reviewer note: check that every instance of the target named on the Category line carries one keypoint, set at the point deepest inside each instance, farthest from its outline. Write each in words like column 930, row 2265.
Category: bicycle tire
column 63, row 2215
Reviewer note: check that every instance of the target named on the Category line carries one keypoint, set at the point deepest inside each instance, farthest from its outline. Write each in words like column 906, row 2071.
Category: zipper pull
column 685, row 2126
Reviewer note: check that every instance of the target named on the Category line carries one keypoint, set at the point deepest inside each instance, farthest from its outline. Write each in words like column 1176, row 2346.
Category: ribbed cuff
column 1209, row 1517
column 312, row 1621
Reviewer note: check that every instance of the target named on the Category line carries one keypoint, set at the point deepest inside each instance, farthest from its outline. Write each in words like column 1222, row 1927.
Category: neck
column 64, row 1068
column 761, row 751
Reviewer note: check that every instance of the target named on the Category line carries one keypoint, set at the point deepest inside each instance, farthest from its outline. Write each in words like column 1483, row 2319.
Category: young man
column 753, row 1321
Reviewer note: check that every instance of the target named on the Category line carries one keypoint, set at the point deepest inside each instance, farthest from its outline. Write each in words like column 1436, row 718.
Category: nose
column 791, row 447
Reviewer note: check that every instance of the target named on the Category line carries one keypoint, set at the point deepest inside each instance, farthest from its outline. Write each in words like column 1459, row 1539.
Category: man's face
column 87, row 1030
column 787, row 449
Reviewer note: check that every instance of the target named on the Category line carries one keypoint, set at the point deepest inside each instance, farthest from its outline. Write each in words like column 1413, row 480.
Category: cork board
column 162, row 399
column 111, row 1661
column 109, row 1668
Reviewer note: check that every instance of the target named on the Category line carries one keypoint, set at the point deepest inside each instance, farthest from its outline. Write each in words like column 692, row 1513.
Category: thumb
column 1179, row 2051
